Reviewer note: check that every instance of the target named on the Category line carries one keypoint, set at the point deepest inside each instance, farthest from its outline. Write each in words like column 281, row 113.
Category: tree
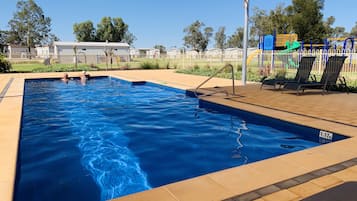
column 120, row 29
column 354, row 30
column 112, row 30
column 105, row 30
column 220, row 38
column 339, row 32
column 279, row 20
column 3, row 41
column 109, row 29
column 328, row 26
column 84, row 31
column 128, row 38
column 5, row 65
column 29, row 26
column 307, row 19
column 260, row 24
column 195, row 38
column 3, row 37
column 161, row 48
column 236, row 40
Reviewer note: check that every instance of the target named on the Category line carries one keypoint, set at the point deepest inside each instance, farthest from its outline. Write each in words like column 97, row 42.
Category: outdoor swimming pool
column 110, row 138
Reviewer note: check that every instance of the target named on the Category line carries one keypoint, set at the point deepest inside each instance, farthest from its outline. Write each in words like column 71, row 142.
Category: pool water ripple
column 106, row 148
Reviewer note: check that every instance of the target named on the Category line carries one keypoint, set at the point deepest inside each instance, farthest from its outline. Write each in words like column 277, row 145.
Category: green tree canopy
column 29, row 26
column 84, row 31
column 128, row 38
column 307, row 19
column 161, row 48
column 303, row 17
column 196, row 38
column 260, row 23
column 3, row 37
column 236, row 40
column 354, row 30
column 109, row 29
column 328, row 25
column 221, row 38
column 279, row 20
column 339, row 32
column 105, row 30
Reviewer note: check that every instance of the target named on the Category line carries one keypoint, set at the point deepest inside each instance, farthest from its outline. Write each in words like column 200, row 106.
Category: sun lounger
column 302, row 74
column 328, row 79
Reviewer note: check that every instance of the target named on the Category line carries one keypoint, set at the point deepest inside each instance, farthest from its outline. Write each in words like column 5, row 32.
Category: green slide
column 290, row 47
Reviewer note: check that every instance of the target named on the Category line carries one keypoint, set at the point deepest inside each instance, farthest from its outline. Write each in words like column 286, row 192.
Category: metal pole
column 28, row 39
column 245, row 42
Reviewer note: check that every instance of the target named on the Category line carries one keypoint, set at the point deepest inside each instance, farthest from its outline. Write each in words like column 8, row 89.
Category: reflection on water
column 238, row 126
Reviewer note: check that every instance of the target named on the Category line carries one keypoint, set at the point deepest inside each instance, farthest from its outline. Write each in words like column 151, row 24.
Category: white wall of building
column 89, row 52
column 20, row 52
column 144, row 53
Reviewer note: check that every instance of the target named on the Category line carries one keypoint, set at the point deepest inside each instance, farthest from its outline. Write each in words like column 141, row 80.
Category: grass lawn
column 189, row 66
column 36, row 68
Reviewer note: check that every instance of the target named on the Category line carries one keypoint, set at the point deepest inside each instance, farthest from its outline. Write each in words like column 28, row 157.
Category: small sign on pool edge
column 326, row 135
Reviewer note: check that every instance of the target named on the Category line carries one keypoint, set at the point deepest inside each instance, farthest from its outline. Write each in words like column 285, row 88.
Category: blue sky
column 162, row 21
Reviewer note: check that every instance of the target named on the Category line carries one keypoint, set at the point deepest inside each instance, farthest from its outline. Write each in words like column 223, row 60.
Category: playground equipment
column 290, row 47
column 279, row 46
column 252, row 55
column 287, row 49
column 344, row 45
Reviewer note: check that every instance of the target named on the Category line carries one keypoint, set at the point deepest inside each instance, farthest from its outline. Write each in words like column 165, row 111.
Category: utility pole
column 245, row 42
column 28, row 39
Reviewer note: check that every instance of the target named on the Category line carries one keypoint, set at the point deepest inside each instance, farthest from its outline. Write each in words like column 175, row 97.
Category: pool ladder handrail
column 214, row 74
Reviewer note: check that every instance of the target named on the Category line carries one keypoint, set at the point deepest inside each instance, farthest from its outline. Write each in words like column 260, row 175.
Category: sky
column 155, row 22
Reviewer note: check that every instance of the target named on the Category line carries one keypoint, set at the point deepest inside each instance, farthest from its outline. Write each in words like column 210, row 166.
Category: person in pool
column 84, row 77
column 65, row 78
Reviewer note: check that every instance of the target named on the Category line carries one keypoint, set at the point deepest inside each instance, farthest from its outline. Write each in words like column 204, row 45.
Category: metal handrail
column 214, row 74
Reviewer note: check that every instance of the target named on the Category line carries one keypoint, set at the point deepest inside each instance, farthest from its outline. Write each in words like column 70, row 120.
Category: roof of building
column 88, row 44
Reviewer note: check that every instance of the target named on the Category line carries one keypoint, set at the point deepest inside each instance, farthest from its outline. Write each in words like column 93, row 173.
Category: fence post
column 272, row 67
column 320, row 59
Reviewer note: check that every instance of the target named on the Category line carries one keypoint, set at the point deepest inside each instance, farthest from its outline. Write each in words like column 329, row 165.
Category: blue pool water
column 111, row 138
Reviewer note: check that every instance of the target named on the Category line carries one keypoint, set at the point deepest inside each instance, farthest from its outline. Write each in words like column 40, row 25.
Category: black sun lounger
column 328, row 79
column 302, row 74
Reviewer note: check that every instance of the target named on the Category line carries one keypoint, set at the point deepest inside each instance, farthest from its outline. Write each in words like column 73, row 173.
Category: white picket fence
column 276, row 60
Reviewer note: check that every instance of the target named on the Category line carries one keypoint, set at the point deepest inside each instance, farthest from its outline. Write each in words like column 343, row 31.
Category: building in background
column 19, row 52
column 90, row 52
column 150, row 53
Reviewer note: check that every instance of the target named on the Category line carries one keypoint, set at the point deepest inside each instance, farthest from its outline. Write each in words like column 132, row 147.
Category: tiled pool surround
column 286, row 184
column 216, row 186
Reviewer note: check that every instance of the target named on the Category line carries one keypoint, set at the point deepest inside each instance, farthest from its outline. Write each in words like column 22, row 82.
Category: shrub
column 196, row 67
column 54, row 61
column 280, row 73
column 149, row 65
column 93, row 66
column 5, row 66
column 239, row 67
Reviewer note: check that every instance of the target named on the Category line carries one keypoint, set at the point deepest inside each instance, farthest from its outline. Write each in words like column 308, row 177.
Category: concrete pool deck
column 334, row 112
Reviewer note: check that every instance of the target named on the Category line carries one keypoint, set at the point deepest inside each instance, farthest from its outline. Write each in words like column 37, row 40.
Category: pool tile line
column 7, row 86
column 284, row 185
